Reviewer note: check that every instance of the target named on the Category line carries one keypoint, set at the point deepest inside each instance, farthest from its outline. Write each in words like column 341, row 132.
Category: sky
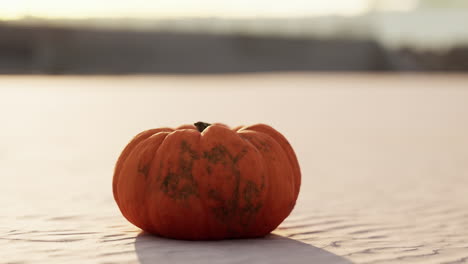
column 14, row 9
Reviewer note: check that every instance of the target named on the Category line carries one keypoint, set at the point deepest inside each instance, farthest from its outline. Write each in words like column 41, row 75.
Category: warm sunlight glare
column 175, row 8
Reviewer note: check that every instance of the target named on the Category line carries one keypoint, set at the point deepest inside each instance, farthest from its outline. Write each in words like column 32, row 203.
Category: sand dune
column 384, row 162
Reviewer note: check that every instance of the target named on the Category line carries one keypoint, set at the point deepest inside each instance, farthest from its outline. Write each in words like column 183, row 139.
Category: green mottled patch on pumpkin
column 218, row 154
column 181, row 185
column 209, row 169
column 143, row 169
column 222, row 211
column 239, row 156
column 251, row 191
column 251, row 195
column 264, row 146
column 185, row 148
column 215, row 195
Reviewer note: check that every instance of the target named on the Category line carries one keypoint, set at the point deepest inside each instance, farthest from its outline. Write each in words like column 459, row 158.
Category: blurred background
column 209, row 36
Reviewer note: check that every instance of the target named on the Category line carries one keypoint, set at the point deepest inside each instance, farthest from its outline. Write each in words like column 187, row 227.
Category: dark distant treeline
column 52, row 50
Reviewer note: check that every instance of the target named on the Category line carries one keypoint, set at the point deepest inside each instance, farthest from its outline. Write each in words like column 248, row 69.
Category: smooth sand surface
column 384, row 160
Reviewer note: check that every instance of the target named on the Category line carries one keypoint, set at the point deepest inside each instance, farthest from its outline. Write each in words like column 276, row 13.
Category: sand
column 384, row 161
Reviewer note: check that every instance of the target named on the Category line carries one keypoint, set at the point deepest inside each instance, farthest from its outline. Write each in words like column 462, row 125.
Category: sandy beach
column 384, row 162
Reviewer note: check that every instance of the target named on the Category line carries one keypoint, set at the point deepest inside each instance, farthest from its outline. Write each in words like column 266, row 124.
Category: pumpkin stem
column 201, row 126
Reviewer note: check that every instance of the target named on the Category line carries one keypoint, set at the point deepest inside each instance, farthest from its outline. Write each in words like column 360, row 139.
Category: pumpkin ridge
column 251, row 210
column 126, row 152
column 237, row 210
column 137, row 154
column 218, row 154
column 255, row 138
column 287, row 148
column 169, row 184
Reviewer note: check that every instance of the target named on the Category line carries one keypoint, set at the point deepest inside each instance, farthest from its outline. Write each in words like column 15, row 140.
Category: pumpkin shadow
column 271, row 249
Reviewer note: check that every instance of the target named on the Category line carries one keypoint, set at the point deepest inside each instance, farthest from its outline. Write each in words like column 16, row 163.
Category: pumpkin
column 206, row 182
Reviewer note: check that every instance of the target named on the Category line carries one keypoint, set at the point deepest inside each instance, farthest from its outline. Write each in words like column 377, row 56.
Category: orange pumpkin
column 203, row 181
